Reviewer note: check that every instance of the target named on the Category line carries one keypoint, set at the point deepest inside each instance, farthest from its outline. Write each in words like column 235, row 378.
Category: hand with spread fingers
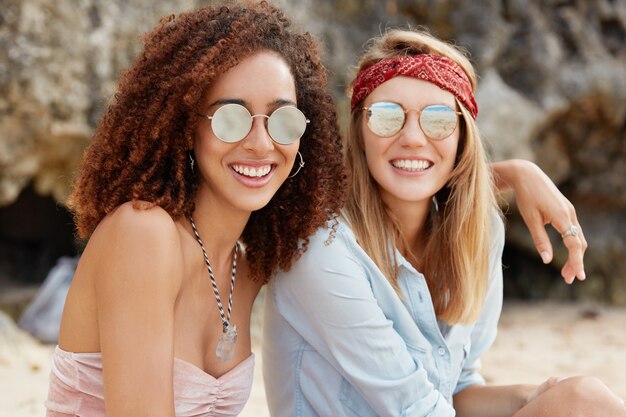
column 541, row 203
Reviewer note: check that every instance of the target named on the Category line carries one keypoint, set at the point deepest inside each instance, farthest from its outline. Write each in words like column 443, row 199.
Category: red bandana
column 436, row 69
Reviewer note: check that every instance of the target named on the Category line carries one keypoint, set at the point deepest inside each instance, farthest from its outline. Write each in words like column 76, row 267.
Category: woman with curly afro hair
column 219, row 155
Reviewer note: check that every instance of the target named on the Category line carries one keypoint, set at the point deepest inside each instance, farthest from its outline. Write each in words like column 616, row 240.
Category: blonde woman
column 391, row 307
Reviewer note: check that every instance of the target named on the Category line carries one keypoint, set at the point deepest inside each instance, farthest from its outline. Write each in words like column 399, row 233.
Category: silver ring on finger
column 571, row 231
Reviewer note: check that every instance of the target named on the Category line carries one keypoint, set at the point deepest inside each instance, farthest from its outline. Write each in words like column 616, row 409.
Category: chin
column 253, row 204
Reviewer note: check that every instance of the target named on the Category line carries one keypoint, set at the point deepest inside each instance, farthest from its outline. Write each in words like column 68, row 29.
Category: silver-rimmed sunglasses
column 232, row 122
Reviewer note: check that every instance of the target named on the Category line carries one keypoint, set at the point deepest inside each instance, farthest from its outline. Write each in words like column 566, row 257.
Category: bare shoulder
column 142, row 219
column 132, row 263
column 137, row 243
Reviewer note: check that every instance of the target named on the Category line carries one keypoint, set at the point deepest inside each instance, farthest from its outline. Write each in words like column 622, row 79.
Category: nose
column 259, row 140
column 411, row 134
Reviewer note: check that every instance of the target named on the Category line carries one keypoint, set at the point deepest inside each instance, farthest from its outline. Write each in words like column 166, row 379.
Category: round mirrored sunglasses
column 386, row 118
column 232, row 122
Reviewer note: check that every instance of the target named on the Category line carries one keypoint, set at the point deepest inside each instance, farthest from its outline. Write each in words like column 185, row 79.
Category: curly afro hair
column 140, row 149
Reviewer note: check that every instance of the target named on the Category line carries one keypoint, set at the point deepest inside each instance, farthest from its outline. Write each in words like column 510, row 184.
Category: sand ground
column 535, row 341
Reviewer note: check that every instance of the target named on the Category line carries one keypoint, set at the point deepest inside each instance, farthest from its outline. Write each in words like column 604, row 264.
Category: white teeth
column 410, row 164
column 252, row 171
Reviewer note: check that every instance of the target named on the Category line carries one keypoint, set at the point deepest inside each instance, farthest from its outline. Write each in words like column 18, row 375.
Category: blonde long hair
column 455, row 260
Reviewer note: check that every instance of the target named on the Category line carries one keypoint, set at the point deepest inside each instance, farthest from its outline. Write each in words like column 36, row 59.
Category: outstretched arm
column 491, row 401
column 541, row 203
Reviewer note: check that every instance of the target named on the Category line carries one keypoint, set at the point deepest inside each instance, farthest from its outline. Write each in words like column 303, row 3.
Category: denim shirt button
column 441, row 351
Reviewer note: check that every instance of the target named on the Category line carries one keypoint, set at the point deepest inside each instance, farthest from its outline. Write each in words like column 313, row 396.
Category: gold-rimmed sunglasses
column 386, row 118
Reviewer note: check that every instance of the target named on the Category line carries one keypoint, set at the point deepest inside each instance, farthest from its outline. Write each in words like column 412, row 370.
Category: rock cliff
column 552, row 90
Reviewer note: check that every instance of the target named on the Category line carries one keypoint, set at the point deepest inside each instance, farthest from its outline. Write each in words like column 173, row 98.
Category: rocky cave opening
column 35, row 232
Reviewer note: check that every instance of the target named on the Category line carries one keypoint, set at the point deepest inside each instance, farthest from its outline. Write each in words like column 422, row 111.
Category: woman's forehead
column 264, row 77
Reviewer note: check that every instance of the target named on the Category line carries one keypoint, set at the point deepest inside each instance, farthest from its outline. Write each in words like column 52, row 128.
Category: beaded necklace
column 226, row 345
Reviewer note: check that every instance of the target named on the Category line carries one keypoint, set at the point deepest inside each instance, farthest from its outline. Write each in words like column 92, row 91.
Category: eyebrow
column 276, row 103
column 282, row 102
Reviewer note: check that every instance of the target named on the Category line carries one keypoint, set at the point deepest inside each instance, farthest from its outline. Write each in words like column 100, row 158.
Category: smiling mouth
column 411, row 165
column 252, row 172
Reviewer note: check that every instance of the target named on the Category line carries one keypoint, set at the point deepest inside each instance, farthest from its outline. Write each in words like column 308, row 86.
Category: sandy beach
column 535, row 341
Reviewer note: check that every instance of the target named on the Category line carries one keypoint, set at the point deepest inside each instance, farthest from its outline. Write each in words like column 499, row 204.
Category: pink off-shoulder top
column 76, row 387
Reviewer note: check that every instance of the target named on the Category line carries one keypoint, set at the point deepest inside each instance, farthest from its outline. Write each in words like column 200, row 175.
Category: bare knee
column 588, row 396
column 583, row 388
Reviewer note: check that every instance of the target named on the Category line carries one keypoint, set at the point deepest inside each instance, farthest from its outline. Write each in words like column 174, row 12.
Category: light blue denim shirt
column 338, row 341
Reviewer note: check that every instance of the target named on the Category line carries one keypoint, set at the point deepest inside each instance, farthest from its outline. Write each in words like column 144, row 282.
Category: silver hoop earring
column 435, row 204
column 192, row 163
column 300, row 165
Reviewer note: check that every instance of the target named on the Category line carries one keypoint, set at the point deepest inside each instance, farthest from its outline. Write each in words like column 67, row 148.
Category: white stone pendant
column 226, row 345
